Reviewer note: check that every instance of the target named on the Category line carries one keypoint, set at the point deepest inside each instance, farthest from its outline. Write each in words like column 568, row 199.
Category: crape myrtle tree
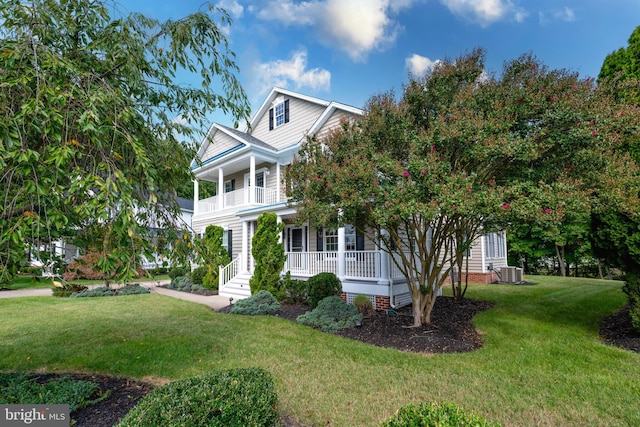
column 95, row 124
column 462, row 150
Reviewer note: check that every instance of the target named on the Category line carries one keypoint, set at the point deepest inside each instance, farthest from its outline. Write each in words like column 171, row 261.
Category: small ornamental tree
column 213, row 255
column 269, row 256
column 462, row 153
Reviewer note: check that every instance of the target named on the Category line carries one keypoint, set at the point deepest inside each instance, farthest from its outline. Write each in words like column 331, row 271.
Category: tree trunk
column 561, row 263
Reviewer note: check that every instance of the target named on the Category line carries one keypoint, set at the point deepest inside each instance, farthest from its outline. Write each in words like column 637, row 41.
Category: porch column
column 385, row 260
column 196, row 196
column 278, row 182
column 251, row 260
column 252, row 178
column 245, row 247
column 279, row 221
column 220, row 189
column 342, row 265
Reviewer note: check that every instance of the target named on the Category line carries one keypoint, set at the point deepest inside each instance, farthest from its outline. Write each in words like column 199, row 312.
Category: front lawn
column 542, row 363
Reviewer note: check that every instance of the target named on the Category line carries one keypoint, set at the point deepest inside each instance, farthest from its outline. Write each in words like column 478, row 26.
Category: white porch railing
column 228, row 272
column 358, row 264
column 237, row 198
column 311, row 263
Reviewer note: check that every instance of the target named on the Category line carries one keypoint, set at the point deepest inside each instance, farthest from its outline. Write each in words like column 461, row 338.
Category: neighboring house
column 248, row 167
column 68, row 252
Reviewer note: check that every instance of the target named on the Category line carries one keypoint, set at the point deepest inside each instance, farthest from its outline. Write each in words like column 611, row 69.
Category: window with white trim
column 494, row 245
column 330, row 240
column 350, row 237
column 279, row 114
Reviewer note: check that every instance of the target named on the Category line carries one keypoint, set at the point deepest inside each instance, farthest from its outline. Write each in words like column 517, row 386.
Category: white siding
column 302, row 115
column 221, row 143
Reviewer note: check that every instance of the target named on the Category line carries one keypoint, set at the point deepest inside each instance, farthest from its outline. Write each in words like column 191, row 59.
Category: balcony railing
column 238, row 198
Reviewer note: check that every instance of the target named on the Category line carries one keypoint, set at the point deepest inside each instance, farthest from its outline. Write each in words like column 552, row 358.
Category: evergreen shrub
column 237, row 397
column 262, row 303
column 331, row 314
column 322, row 285
column 197, row 275
column 632, row 289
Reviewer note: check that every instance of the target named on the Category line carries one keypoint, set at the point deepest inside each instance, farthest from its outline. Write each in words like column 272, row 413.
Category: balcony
column 239, row 198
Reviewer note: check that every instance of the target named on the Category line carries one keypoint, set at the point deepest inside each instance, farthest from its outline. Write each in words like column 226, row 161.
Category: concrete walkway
column 216, row 302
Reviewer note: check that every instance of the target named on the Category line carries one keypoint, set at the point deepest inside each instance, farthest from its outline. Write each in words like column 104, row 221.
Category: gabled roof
column 266, row 104
column 243, row 138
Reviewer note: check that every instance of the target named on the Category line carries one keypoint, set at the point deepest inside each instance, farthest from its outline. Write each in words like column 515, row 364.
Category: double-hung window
column 279, row 114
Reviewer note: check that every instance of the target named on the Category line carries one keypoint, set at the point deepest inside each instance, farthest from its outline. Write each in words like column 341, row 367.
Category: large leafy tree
column 463, row 150
column 95, row 124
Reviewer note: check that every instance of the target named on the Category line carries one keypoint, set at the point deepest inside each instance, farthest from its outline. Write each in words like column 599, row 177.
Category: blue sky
column 348, row 50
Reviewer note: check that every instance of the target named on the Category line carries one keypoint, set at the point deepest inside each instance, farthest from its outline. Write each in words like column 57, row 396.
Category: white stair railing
column 228, row 272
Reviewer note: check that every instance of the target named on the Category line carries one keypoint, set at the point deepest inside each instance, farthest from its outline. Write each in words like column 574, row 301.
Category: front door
column 295, row 245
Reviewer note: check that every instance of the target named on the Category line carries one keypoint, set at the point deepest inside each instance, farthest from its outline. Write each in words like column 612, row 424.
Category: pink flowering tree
column 456, row 156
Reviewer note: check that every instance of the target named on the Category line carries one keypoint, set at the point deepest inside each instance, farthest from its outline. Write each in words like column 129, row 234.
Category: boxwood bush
column 436, row 414
column 260, row 303
column 237, row 397
column 330, row 315
column 322, row 285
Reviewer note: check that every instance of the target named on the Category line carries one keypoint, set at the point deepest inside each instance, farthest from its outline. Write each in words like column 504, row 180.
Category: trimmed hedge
column 237, row 397
column 261, row 303
column 436, row 414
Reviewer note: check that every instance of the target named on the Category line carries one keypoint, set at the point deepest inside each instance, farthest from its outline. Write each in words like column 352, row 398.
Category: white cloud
column 292, row 71
column 418, row 65
column 232, row 7
column 565, row 14
column 486, row 12
column 354, row 26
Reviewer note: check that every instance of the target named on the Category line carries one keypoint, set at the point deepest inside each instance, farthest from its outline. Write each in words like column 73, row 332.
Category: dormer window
column 279, row 114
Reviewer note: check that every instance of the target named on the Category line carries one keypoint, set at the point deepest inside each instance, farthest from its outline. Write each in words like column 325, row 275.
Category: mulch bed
column 451, row 331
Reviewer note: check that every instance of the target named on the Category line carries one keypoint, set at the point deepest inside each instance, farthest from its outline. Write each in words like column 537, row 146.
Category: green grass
column 542, row 362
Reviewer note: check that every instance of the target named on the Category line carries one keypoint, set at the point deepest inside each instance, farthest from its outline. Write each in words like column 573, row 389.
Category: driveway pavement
column 216, row 302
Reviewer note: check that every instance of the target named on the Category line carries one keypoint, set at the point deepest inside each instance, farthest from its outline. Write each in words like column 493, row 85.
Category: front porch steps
column 238, row 287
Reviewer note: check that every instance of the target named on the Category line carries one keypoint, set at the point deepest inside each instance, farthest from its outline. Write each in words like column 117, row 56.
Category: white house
column 248, row 167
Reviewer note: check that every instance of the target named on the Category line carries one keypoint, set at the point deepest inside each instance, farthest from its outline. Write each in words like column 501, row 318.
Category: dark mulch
column 617, row 330
column 451, row 331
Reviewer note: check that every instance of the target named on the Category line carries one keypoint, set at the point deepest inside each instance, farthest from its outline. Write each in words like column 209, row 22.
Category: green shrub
column 104, row 291
column 436, row 415
column 180, row 283
column 176, row 272
column 237, row 397
column 100, row 291
column 20, row 388
column 213, row 254
column 632, row 289
column 322, row 285
column 363, row 304
column 134, row 289
column 294, row 290
column 67, row 289
column 197, row 275
column 331, row 314
column 258, row 304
